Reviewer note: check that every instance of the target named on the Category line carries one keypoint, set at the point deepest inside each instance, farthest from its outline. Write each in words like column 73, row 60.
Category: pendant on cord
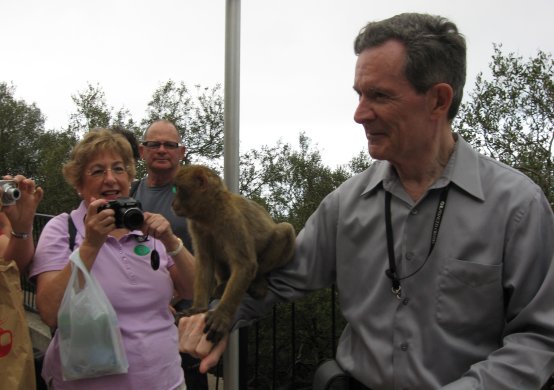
column 155, row 259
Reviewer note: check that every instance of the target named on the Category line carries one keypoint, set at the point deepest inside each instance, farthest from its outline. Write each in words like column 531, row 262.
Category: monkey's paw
column 217, row 325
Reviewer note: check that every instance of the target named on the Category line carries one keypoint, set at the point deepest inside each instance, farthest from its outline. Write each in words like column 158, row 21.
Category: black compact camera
column 128, row 212
column 10, row 192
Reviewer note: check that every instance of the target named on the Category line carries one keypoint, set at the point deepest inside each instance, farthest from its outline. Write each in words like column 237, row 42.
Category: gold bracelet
column 176, row 251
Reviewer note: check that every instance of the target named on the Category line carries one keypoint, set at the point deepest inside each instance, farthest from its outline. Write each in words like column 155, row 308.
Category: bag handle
column 76, row 261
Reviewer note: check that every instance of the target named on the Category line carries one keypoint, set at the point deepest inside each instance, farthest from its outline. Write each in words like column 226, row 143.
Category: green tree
column 290, row 183
column 26, row 148
column 20, row 126
column 359, row 163
column 511, row 116
column 53, row 149
column 92, row 110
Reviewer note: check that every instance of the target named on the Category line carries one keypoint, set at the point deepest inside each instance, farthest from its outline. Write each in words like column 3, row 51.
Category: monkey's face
column 183, row 192
column 177, row 207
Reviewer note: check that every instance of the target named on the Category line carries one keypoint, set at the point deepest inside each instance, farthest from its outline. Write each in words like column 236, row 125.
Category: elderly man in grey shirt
column 443, row 257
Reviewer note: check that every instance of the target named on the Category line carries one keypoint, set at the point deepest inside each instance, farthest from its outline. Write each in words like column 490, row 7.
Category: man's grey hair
column 435, row 50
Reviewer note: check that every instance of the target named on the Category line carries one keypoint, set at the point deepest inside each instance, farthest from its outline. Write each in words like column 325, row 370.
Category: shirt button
column 414, row 211
column 405, row 301
column 409, row 256
column 404, row 346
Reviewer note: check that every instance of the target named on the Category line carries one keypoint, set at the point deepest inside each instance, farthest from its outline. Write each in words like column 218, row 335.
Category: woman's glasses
column 98, row 172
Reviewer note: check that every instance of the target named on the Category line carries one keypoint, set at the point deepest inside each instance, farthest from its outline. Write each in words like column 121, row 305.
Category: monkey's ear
column 201, row 179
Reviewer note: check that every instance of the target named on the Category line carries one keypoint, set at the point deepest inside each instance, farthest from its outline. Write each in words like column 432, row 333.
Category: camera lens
column 133, row 218
column 10, row 192
column 13, row 194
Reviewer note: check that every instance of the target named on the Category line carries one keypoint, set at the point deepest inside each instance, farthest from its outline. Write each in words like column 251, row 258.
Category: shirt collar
column 381, row 171
column 462, row 170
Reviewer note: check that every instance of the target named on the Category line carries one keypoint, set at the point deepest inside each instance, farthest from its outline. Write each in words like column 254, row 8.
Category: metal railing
column 26, row 285
column 284, row 348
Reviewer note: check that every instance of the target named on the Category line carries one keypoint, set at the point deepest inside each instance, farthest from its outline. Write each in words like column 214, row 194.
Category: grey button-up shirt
column 476, row 314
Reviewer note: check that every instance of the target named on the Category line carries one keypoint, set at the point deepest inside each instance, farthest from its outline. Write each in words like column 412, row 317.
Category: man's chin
column 161, row 168
column 377, row 153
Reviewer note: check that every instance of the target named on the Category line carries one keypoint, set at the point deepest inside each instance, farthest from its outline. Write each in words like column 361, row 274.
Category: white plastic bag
column 89, row 336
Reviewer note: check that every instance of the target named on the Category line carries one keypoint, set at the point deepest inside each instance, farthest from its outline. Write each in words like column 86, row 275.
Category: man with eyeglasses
column 162, row 153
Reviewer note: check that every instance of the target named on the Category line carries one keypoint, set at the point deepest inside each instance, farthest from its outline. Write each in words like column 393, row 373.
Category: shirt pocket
column 470, row 298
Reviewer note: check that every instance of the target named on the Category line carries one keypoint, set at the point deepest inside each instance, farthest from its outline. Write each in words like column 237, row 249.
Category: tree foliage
column 54, row 149
column 21, row 124
column 511, row 116
column 289, row 182
column 27, row 149
column 92, row 110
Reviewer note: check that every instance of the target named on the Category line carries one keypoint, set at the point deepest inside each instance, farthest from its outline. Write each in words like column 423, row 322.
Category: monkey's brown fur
column 235, row 243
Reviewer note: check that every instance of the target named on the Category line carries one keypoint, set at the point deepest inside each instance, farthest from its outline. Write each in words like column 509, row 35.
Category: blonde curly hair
column 97, row 141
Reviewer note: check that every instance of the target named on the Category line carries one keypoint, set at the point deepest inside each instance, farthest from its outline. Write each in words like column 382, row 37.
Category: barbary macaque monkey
column 235, row 242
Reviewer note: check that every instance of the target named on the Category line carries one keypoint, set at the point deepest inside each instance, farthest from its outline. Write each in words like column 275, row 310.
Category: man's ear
column 182, row 155
column 440, row 99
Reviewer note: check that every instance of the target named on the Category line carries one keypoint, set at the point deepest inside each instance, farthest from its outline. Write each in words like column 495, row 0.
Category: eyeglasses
column 100, row 172
column 158, row 144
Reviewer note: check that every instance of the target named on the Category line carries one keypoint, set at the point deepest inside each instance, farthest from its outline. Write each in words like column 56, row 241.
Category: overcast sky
column 297, row 62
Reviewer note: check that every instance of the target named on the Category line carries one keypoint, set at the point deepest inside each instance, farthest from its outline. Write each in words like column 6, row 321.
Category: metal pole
column 231, row 154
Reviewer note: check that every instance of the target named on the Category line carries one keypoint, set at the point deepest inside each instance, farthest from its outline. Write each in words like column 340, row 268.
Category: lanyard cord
column 392, row 272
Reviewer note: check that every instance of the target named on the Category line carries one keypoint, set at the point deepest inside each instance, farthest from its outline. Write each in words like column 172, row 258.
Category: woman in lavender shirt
column 101, row 168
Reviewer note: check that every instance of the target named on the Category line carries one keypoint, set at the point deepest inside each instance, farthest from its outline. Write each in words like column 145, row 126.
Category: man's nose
column 364, row 111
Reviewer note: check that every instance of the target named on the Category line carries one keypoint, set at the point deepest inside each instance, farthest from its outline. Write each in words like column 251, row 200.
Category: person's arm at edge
column 21, row 216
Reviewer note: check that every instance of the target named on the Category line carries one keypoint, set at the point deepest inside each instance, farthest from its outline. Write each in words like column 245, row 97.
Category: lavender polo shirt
column 140, row 297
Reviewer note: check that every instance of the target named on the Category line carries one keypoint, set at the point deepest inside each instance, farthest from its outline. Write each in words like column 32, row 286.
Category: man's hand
column 192, row 340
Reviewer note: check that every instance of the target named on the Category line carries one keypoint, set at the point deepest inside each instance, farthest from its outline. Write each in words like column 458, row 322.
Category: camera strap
column 392, row 272
column 72, row 230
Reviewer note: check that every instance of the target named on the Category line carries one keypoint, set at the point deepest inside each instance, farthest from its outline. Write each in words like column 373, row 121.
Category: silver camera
column 10, row 192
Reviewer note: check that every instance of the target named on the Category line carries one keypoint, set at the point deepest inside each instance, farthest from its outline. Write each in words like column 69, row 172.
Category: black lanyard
column 391, row 272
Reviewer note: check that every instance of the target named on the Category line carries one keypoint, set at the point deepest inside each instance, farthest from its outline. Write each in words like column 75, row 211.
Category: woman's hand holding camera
column 22, row 212
column 98, row 224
